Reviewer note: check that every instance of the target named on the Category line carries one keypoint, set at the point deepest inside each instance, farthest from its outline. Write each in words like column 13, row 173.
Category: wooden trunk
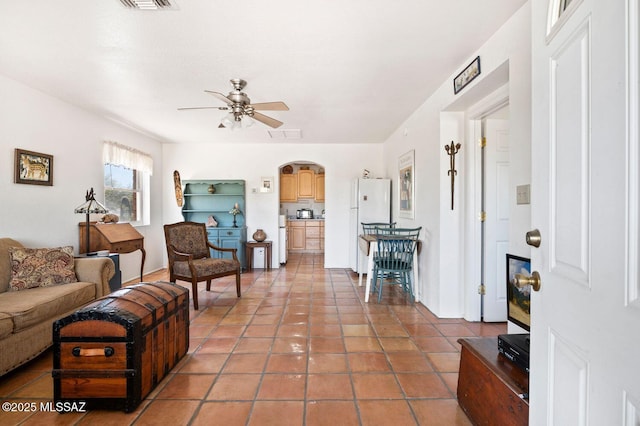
column 114, row 351
column 491, row 389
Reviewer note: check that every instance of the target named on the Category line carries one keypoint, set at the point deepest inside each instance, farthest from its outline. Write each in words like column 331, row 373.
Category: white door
column 496, row 224
column 585, row 332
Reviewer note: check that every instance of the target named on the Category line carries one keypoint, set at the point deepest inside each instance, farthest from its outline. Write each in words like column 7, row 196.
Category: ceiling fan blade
column 185, row 108
column 220, row 96
column 270, row 106
column 271, row 122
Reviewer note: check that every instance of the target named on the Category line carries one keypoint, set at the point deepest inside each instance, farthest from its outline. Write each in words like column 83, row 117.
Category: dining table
column 368, row 245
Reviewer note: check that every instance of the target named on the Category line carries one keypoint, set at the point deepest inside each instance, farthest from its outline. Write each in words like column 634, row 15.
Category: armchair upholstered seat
column 189, row 253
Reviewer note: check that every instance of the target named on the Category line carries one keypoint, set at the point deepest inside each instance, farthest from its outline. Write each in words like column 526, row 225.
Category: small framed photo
column 406, row 184
column 33, row 168
column 266, row 184
column 467, row 75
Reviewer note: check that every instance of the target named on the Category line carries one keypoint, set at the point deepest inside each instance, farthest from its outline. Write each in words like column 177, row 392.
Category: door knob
column 534, row 238
column 520, row 280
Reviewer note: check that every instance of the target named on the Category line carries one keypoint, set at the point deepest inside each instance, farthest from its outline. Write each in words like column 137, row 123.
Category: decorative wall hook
column 452, row 150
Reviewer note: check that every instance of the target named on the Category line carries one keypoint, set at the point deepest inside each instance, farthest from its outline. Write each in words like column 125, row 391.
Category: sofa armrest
column 97, row 270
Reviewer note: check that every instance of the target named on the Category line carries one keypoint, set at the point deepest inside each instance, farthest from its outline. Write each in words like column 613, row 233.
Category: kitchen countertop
column 295, row 219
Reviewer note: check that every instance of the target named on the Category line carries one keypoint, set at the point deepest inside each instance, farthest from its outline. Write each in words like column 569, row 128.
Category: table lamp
column 91, row 205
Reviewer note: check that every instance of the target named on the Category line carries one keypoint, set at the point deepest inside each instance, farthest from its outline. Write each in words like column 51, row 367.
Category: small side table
column 250, row 245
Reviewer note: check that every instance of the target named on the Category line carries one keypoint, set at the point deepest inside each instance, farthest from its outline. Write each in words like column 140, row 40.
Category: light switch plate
column 523, row 194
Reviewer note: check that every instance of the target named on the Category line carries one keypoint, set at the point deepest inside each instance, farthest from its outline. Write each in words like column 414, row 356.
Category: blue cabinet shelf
column 216, row 198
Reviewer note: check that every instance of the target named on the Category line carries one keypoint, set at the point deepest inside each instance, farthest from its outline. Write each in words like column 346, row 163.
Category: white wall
column 444, row 286
column 250, row 162
column 42, row 216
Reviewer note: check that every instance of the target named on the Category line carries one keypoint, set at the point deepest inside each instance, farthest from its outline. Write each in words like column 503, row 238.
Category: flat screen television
column 518, row 299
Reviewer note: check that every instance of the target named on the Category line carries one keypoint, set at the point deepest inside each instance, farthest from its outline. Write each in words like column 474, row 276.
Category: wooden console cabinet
column 115, row 237
column 491, row 389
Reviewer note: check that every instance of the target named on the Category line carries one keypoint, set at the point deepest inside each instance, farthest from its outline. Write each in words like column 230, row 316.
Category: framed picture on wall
column 33, row 168
column 266, row 184
column 406, row 184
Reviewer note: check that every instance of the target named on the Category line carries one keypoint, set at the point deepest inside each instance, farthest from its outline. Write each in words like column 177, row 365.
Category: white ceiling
column 351, row 71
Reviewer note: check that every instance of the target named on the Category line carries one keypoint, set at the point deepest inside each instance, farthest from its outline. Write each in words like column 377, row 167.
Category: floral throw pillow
column 41, row 267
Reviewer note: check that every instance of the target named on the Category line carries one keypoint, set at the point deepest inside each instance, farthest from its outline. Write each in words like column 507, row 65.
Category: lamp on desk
column 91, row 205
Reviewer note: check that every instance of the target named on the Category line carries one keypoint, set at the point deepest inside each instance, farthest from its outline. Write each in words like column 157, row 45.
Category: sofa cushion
column 29, row 307
column 41, row 267
column 5, row 262
column 6, row 325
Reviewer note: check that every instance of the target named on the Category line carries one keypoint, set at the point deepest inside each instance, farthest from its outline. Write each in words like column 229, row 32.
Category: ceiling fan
column 239, row 105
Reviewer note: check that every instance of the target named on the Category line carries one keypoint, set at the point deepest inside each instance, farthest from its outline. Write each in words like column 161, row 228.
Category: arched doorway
column 302, row 211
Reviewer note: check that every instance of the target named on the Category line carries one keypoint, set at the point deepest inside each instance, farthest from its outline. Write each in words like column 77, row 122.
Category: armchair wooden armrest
column 233, row 251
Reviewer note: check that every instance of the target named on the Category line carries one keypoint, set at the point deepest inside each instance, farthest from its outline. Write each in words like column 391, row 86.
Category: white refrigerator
column 370, row 202
column 282, row 239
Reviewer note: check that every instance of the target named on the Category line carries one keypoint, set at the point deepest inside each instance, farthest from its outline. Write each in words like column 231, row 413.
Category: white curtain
column 115, row 153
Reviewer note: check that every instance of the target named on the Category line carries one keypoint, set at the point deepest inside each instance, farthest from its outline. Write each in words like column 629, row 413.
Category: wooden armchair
column 189, row 253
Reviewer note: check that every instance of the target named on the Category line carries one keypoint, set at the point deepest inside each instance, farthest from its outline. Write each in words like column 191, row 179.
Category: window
column 126, row 183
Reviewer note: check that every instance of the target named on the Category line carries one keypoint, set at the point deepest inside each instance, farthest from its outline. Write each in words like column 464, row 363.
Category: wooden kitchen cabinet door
column 288, row 188
column 319, row 188
column 306, row 183
column 297, row 238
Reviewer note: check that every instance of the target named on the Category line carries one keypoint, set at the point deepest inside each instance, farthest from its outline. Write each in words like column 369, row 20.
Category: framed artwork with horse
column 33, row 168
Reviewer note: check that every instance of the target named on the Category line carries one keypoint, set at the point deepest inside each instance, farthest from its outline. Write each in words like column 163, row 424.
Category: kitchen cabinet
column 297, row 235
column 288, row 188
column 306, row 236
column 319, row 197
column 209, row 197
column 306, row 183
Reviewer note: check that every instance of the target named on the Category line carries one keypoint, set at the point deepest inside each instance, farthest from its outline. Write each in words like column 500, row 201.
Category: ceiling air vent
column 148, row 4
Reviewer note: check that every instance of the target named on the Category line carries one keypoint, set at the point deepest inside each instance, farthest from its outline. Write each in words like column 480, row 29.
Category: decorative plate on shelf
column 287, row 170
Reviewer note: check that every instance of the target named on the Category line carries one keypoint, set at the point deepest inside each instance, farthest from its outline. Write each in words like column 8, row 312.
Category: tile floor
column 299, row 348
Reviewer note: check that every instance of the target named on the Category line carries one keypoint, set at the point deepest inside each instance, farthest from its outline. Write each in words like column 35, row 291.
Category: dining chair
column 393, row 259
column 189, row 253
column 376, row 227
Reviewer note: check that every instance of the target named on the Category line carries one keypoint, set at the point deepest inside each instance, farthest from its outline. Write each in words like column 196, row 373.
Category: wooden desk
column 365, row 243
column 115, row 237
column 491, row 389
column 250, row 245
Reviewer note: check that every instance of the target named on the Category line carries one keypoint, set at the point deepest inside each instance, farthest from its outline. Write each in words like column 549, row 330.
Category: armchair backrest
column 186, row 237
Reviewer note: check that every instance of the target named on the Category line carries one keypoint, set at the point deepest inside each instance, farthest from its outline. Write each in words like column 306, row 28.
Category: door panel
column 496, row 226
column 584, row 343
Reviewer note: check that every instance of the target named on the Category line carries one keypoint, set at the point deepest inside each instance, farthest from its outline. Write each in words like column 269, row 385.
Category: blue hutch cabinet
column 216, row 198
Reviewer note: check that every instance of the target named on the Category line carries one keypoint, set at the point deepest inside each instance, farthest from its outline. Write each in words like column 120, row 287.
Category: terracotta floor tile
column 282, row 386
column 422, row 330
column 393, row 344
column 245, row 363
column 277, row 413
column 384, row 413
column 451, row 380
column 253, row 345
column 368, row 362
column 326, row 345
column 331, row 413
column 403, row 362
column 203, row 363
column 423, row 385
column 168, row 412
column 239, row 387
column 435, row 344
column 187, row 386
column 286, row 363
column 362, row 344
column 457, row 330
column 17, row 379
column 110, row 417
column 390, row 330
column 445, row 362
column 329, row 386
column 261, row 330
column 228, row 413
column 293, row 330
column 376, row 386
column 358, row 330
column 439, row 412
column 327, row 363
column 218, row 345
column 290, row 345
column 325, row 330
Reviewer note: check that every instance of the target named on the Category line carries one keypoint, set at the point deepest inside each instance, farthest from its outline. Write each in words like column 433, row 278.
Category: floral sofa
column 38, row 286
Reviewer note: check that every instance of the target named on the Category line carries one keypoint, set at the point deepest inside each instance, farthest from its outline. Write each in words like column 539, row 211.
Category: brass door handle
column 534, row 238
column 520, row 280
